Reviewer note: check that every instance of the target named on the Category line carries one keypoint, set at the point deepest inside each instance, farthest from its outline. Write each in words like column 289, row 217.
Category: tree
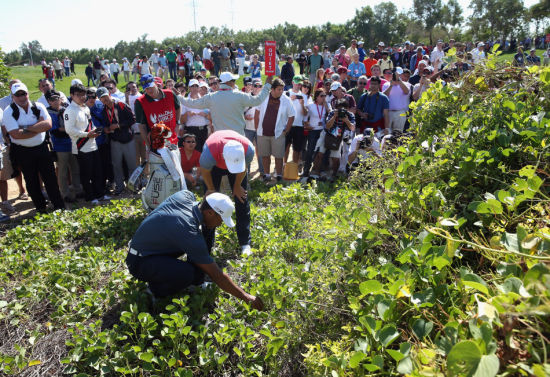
column 452, row 14
column 492, row 18
column 35, row 49
column 4, row 76
column 539, row 13
column 430, row 13
column 389, row 25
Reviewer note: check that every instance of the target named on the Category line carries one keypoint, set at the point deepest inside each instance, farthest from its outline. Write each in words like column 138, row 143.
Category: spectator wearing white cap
column 196, row 122
column 478, row 54
column 378, row 53
column 154, row 60
column 532, row 58
column 115, row 69
column 154, row 258
column 26, row 123
column 241, row 55
column 227, row 105
column 228, row 153
column 126, row 68
column 437, row 55
column 67, row 66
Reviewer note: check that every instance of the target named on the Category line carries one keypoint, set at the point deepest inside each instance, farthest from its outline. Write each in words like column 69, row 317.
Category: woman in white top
column 315, row 123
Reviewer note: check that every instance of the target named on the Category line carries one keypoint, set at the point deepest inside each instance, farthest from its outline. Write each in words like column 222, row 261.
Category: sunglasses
column 322, row 95
column 90, row 97
column 20, row 94
column 361, row 83
column 190, row 142
column 109, row 88
column 257, row 86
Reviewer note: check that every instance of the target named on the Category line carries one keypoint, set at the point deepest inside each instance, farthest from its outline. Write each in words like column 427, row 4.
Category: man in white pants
column 398, row 91
column 241, row 55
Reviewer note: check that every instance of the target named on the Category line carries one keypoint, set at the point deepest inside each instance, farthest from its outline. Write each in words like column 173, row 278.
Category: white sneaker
column 246, row 250
column 106, row 197
column 95, row 202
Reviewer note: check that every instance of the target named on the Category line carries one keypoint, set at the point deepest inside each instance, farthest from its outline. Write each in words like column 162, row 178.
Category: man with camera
column 398, row 93
column 374, row 107
column 339, row 128
column 363, row 147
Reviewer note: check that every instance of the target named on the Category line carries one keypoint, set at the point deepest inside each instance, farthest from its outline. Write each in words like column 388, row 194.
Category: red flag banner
column 270, row 52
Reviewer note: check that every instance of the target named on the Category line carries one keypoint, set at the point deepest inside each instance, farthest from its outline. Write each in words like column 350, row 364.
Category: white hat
column 155, row 49
column 480, row 44
column 193, row 82
column 202, row 84
column 360, row 43
column 309, row 50
column 381, row 44
column 76, row 81
column 19, row 86
column 227, row 76
column 223, row 206
column 240, row 44
column 399, row 70
column 233, row 154
column 335, row 85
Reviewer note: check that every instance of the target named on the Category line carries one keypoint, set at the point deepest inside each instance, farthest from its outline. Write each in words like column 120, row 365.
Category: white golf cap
column 399, row 70
column 381, row 44
column 335, row 85
column 18, row 86
column 193, row 82
column 202, row 84
column 227, row 76
column 233, row 154
column 223, row 206
column 76, row 81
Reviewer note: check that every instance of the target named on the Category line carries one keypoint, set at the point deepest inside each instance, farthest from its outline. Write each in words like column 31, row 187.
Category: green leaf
column 422, row 328
column 356, row 359
column 370, row 286
column 146, row 356
column 34, row 362
column 449, row 222
column 472, row 284
column 463, row 359
column 509, row 104
column 387, row 335
column 396, row 355
column 487, row 367
column 275, row 344
column 405, row 366
column 527, row 171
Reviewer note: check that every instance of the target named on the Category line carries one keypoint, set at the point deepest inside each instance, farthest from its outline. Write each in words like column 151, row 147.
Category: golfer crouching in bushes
column 175, row 228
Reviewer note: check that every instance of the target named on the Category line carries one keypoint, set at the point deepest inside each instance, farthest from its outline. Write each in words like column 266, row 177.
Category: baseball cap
column 102, row 92
column 202, row 84
column 335, row 85
column 360, row 43
column 381, row 44
column 193, row 82
column 309, row 50
column 241, row 45
column 335, row 77
column 298, row 79
column 342, row 69
column 158, row 81
column 223, row 206
column 147, row 81
column 480, row 44
column 18, row 86
column 399, row 70
column 233, row 154
column 227, row 76
column 247, row 80
column 52, row 94
column 76, row 81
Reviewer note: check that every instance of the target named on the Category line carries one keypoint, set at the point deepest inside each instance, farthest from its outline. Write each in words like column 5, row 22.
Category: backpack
column 15, row 110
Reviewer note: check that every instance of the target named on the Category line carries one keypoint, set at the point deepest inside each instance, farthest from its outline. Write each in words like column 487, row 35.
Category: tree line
column 425, row 22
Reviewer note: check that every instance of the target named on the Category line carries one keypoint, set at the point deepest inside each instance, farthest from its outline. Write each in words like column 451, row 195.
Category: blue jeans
column 252, row 136
column 172, row 70
column 67, row 71
column 312, row 138
column 242, row 210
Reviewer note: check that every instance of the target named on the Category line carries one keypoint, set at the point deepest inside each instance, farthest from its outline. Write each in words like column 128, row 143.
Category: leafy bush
column 434, row 261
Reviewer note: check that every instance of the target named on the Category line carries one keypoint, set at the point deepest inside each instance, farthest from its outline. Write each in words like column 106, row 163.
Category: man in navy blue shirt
column 174, row 228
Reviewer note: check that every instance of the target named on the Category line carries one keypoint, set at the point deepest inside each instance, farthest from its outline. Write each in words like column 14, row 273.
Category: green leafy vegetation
column 432, row 262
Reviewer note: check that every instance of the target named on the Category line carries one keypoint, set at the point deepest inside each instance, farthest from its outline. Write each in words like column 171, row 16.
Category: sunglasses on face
column 20, row 94
column 191, row 142
column 322, row 95
column 361, row 83
column 257, row 86
column 90, row 97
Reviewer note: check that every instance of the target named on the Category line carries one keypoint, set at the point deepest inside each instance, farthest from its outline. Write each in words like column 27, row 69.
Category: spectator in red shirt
column 190, row 159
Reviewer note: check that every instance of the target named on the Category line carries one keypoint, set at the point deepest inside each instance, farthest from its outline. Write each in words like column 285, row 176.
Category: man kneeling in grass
column 174, row 228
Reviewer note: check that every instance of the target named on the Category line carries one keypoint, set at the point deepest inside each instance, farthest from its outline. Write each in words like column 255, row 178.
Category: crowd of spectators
column 319, row 121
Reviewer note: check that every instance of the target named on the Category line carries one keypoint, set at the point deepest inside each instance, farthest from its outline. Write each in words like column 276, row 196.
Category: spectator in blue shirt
column 374, row 107
column 355, row 70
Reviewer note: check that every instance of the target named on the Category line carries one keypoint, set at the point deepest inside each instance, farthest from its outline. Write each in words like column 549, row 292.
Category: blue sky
column 76, row 24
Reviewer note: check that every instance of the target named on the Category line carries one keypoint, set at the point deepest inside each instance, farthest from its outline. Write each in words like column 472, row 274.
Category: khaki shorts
column 271, row 146
column 7, row 169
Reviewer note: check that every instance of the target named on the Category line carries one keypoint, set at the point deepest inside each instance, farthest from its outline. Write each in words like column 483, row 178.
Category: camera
column 394, row 76
column 342, row 113
column 365, row 143
column 369, row 116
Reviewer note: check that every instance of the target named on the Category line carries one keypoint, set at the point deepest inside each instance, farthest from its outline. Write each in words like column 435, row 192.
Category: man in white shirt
column 115, row 69
column 296, row 136
column 79, row 126
column 154, row 60
column 3, row 216
column 197, row 122
column 363, row 147
column 67, row 66
column 44, row 85
column 478, row 54
column 26, row 123
column 437, row 55
column 398, row 92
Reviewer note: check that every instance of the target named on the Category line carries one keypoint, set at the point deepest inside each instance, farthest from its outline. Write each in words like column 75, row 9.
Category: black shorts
column 296, row 138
